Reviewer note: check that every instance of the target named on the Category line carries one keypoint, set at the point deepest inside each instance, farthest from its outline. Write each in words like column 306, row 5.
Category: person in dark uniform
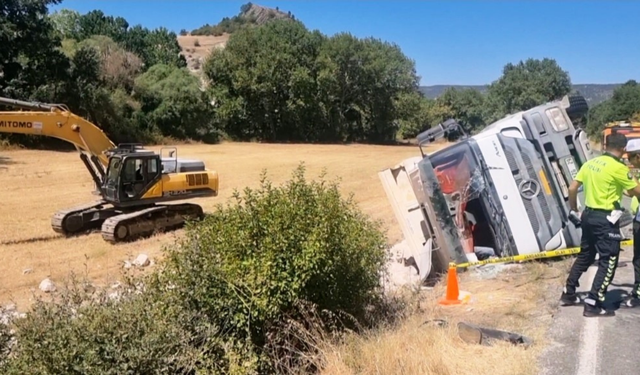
column 604, row 178
column 633, row 154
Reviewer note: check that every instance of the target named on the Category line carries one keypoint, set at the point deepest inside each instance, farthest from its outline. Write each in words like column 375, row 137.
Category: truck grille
column 512, row 162
column 197, row 179
column 531, row 213
column 541, row 197
column 528, row 205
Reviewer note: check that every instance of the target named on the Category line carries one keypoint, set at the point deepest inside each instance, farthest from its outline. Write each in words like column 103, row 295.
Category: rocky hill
column 261, row 15
column 197, row 44
column 594, row 93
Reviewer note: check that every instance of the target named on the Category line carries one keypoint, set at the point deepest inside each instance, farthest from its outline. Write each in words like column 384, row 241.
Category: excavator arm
column 55, row 120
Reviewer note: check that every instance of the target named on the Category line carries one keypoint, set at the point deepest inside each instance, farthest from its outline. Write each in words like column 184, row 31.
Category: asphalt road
column 603, row 345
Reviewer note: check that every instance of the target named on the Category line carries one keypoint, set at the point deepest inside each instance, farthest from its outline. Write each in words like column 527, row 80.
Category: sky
column 456, row 42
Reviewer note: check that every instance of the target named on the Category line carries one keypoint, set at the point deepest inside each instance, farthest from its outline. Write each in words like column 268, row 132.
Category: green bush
column 248, row 290
column 90, row 333
column 5, row 341
column 250, row 263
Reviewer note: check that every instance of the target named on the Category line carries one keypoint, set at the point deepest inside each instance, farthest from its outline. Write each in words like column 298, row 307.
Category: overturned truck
column 502, row 192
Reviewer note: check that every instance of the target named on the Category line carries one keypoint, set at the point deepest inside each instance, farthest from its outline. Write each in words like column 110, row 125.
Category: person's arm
column 574, row 187
column 629, row 184
column 635, row 192
column 573, row 194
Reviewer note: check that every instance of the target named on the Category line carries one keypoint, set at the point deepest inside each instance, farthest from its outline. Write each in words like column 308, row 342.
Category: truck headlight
column 557, row 119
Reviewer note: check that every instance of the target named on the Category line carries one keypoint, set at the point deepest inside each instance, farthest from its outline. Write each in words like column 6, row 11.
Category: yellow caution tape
column 519, row 258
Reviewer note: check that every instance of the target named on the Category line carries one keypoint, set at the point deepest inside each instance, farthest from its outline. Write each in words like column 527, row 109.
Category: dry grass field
column 36, row 184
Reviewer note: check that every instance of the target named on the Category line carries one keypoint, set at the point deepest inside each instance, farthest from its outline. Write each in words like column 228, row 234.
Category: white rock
column 142, row 260
column 26, row 271
column 114, row 295
column 127, row 264
column 47, row 286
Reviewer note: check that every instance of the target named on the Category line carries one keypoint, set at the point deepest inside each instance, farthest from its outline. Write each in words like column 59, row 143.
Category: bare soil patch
column 196, row 48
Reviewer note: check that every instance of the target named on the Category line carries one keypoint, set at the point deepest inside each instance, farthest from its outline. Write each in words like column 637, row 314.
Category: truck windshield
column 458, row 173
column 461, row 181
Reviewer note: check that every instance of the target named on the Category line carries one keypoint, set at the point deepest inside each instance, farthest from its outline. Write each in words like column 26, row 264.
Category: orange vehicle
column 630, row 129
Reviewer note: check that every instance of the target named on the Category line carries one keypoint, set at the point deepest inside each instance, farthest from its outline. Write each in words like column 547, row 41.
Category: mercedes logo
column 529, row 189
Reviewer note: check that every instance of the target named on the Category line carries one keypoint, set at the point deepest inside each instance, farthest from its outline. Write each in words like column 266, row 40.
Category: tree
column 158, row 46
column 467, row 106
column 417, row 113
column 174, row 103
column 525, row 85
column 67, row 23
column 289, row 83
column 161, row 47
column 118, row 67
column 245, row 7
column 263, row 82
column 96, row 22
column 29, row 57
column 622, row 106
column 359, row 81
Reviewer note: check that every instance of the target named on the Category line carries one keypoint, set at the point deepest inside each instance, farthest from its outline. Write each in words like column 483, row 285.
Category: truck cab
column 505, row 188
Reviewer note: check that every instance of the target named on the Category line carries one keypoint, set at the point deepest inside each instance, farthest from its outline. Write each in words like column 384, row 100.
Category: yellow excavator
column 131, row 180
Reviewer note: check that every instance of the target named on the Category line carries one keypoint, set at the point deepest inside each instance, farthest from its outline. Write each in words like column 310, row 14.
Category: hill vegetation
column 593, row 93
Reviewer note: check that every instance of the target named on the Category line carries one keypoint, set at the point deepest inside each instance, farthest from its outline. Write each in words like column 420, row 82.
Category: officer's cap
column 633, row 145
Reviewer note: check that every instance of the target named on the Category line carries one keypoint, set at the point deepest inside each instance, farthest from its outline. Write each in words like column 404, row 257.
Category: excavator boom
column 55, row 120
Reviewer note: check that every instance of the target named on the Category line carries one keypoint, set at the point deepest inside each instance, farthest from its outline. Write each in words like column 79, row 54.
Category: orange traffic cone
column 453, row 293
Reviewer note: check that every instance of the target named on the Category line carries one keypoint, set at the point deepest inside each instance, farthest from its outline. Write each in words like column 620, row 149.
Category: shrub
column 5, row 341
column 250, row 263
column 196, row 43
column 86, row 333
column 248, row 290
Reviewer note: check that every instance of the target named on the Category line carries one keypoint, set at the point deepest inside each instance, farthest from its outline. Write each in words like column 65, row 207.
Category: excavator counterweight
column 133, row 183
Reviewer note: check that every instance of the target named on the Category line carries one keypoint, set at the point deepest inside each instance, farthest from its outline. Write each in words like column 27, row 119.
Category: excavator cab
column 131, row 173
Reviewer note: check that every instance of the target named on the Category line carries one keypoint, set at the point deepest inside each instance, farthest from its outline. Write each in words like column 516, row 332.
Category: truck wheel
column 578, row 107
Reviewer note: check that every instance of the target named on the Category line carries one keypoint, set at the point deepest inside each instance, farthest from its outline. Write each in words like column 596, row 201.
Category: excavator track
column 128, row 226
column 81, row 218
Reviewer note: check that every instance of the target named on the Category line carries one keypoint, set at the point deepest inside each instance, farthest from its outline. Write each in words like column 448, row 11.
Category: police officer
column 633, row 154
column 604, row 179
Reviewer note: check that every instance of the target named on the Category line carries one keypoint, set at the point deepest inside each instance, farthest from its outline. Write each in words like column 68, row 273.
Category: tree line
column 274, row 82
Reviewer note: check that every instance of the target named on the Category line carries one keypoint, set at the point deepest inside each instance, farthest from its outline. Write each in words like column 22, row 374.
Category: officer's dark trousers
column 601, row 237
column 636, row 258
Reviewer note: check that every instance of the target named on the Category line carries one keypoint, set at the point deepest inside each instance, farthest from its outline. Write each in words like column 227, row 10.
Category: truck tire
column 578, row 107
